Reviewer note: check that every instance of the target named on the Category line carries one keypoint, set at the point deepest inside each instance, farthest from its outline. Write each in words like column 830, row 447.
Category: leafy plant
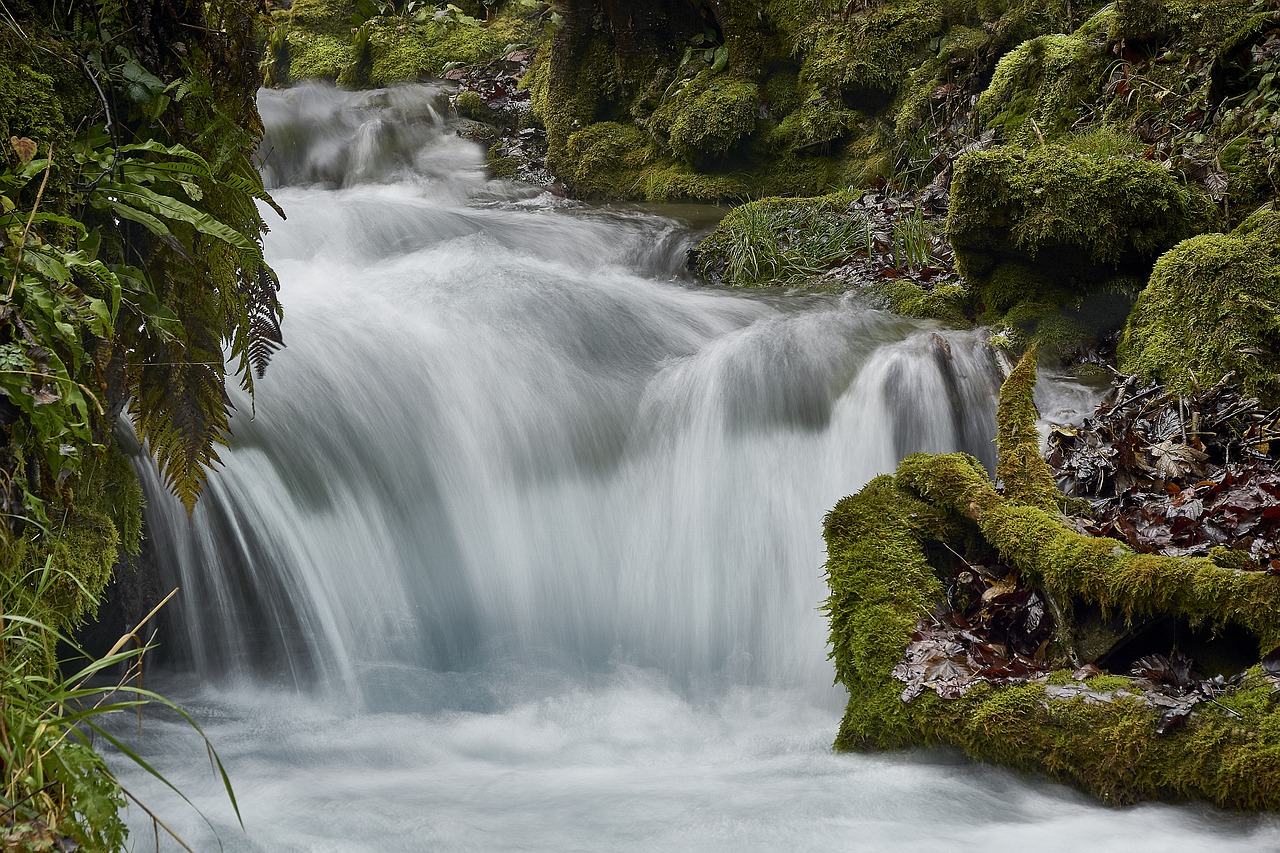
column 131, row 270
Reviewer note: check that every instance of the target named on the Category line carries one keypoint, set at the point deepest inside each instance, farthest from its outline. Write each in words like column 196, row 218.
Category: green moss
column 607, row 160
column 1073, row 217
column 1108, row 683
column 1099, row 571
column 1211, row 308
column 676, row 182
column 872, row 51
column 566, row 86
column 401, row 52
column 1038, row 88
column 948, row 303
column 816, row 124
column 102, row 522
column 315, row 55
column 471, row 105
column 1023, row 472
column 707, row 117
column 1055, row 244
column 316, row 40
column 326, row 17
column 882, row 583
column 1147, row 20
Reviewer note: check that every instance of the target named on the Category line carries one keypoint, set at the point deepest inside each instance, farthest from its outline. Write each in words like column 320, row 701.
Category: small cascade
column 519, row 545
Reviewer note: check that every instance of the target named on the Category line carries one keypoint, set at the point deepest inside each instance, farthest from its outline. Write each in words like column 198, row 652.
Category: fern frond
column 182, row 413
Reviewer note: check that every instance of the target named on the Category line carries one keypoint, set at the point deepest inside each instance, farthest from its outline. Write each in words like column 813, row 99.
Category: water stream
column 519, row 547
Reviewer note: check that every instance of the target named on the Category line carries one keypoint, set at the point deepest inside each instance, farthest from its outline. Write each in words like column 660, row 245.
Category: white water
column 522, row 550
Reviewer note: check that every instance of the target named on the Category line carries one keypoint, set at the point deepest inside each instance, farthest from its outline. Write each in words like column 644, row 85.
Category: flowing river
column 520, row 548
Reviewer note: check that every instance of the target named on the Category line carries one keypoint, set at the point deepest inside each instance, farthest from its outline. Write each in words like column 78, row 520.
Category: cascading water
column 520, row 548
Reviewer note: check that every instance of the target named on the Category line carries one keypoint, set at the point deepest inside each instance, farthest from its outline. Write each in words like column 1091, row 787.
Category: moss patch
column 708, row 117
column 102, row 523
column 1038, row 88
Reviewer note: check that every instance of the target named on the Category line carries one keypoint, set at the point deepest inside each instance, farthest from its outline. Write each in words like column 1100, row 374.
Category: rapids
column 518, row 547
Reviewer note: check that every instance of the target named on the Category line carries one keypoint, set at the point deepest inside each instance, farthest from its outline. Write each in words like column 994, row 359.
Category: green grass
column 775, row 241
column 54, row 783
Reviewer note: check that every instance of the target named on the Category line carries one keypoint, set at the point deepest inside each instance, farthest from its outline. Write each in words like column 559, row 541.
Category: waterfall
column 518, row 546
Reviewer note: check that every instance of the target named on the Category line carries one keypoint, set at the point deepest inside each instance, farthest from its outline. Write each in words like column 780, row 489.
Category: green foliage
column 130, row 262
column 1211, row 308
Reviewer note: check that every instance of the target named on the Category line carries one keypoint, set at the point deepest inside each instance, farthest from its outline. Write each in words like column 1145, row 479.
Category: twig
column 17, row 264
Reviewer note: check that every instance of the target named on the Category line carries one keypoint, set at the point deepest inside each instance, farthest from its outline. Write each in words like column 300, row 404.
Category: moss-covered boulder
column 1055, row 237
column 1212, row 307
column 708, row 117
column 889, row 548
column 1039, row 87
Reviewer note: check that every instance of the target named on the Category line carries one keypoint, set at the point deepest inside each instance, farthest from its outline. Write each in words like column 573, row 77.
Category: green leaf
column 721, row 59
column 142, row 199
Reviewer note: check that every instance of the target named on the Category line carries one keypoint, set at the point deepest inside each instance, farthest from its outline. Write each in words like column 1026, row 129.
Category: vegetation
column 368, row 44
column 132, row 269
column 782, row 241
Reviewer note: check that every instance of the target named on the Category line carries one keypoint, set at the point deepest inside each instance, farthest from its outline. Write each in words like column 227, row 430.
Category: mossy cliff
column 1078, row 158
column 337, row 40
column 782, row 97
column 888, row 547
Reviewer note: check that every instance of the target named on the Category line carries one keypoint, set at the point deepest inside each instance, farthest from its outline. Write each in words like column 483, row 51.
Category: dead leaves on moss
column 1177, row 476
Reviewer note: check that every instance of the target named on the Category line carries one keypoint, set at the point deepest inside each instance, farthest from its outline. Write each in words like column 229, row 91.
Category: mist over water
column 519, row 547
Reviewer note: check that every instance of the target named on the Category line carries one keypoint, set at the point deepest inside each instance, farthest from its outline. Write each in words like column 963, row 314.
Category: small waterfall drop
column 519, row 545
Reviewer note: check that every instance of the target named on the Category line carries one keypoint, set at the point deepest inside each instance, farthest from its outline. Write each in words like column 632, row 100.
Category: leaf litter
column 1174, row 475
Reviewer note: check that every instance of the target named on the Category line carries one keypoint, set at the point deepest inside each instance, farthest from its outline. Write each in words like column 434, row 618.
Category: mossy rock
column 328, row 17
column 879, row 544
column 316, row 55
column 1152, row 20
column 1038, row 88
column 315, row 39
column 1074, row 219
column 607, row 159
column 866, row 56
column 1212, row 307
column 679, row 182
